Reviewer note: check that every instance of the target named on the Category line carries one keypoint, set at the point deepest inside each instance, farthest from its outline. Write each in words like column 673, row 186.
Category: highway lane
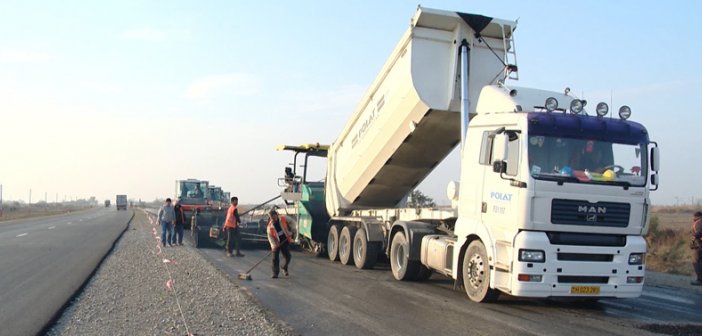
column 321, row 298
column 43, row 261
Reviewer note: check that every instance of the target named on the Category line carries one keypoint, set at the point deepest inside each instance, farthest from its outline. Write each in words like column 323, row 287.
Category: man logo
column 592, row 209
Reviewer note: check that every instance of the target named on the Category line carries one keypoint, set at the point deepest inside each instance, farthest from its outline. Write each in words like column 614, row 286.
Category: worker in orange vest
column 280, row 239
column 697, row 247
column 231, row 228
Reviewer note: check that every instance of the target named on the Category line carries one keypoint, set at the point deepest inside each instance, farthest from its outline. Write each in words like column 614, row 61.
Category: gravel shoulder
column 128, row 294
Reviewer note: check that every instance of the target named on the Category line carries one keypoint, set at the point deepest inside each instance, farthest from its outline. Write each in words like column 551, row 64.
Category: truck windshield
column 586, row 161
column 193, row 191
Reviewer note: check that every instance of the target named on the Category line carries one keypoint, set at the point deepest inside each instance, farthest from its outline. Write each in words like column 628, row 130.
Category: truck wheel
column 333, row 243
column 346, row 244
column 365, row 253
column 476, row 274
column 402, row 268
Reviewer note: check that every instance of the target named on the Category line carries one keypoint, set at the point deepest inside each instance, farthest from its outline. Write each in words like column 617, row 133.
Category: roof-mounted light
column 576, row 106
column 551, row 104
column 624, row 112
column 602, row 109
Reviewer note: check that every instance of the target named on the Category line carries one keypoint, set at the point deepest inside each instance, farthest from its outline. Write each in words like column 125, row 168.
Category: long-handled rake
column 247, row 275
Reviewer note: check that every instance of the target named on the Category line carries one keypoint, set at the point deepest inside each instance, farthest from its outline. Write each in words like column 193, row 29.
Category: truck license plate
column 590, row 290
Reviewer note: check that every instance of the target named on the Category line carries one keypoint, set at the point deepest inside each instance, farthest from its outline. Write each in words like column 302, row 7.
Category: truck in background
column 120, row 202
column 107, row 203
column 552, row 201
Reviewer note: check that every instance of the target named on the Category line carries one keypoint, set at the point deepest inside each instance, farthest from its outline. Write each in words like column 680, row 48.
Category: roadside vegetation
column 18, row 210
column 668, row 239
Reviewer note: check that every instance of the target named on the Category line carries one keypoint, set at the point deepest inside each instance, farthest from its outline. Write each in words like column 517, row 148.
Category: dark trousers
column 233, row 239
column 697, row 262
column 285, row 248
column 178, row 233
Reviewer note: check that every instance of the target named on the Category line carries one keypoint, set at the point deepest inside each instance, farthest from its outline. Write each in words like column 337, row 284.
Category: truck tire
column 365, row 253
column 402, row 268
column 333, row 243
column 476, row 274
column 346, row 244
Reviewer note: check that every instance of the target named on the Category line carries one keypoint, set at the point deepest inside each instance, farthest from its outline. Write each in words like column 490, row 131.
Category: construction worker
column 280, row 239
column 697, row 247
column 231, row 228
column 166, row 217
column 179, row 223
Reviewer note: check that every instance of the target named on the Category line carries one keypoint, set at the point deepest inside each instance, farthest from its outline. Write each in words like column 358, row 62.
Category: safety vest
column 274, row 236
column 230, row 222
column 694, row 226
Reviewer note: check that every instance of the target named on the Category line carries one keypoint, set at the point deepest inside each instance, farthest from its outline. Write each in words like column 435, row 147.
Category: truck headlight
column 551, row 104
column 602, row 109
column 624, row 112
column 532, row 255
column 576, row 106
column 636, row 259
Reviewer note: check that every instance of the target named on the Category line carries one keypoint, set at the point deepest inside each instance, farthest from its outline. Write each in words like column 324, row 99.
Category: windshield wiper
column 558, row 178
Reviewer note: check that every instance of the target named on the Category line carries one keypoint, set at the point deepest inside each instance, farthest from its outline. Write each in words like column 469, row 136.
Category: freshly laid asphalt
column 44, row 261
column 324, row 298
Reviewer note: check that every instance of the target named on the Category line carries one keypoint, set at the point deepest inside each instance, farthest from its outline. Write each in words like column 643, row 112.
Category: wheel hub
column 475, row 270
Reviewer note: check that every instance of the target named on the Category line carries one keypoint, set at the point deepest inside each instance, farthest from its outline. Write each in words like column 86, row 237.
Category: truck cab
column 558, row 199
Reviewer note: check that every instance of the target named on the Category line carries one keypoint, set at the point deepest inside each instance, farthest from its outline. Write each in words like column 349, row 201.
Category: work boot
column 239, row 254
column 229, row 254
column 696, row 283
column 275, row 276
column 285, row 271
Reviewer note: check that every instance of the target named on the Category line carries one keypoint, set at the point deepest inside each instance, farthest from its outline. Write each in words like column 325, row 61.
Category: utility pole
column 30, row 196
column 0, row 200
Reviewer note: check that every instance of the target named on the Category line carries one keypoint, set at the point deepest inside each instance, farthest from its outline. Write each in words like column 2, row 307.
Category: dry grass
column 22, row 212
column 668, row 240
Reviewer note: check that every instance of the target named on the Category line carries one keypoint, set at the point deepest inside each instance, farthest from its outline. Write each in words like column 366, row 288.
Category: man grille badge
column 591, row 218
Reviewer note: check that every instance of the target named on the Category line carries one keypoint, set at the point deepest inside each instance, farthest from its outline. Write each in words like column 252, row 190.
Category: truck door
column 500, row 204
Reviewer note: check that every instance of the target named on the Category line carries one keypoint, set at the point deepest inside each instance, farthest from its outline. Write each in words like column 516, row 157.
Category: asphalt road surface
column 43, row 261
column 324, row 298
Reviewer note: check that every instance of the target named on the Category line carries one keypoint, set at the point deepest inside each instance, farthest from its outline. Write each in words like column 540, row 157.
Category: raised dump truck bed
column 409, row 120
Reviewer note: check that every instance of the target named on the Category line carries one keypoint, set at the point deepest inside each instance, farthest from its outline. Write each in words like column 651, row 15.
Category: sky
column 99, row 98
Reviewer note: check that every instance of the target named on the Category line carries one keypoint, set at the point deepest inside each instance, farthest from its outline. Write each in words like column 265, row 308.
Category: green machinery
column 306, row 196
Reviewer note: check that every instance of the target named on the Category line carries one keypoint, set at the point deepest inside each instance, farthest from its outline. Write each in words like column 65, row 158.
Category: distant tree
column 418, row 199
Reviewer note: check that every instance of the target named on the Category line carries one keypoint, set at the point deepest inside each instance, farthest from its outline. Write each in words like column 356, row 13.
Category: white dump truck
column 553, row 198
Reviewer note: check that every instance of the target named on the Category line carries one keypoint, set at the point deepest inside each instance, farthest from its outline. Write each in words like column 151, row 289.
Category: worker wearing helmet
column 280, row 239
column 697, row 247
column 231, row 228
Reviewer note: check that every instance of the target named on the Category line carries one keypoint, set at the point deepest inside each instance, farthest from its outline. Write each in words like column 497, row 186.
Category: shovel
column 247, row 275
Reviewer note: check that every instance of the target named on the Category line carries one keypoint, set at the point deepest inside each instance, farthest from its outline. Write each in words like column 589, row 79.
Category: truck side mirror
column 655, row 159
column 499, row 166
column 654, row 182
column 499, row 147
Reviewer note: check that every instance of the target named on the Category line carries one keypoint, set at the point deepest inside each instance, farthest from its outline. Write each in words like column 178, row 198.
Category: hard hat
column 567, row 171
column 609, row 175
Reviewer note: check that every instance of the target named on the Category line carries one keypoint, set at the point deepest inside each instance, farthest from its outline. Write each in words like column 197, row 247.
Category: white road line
column 69, row 223
column 52, row 227
column 22, row 235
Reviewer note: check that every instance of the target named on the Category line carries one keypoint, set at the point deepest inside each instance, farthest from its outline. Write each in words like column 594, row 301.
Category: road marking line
column 69, row 223
column 52, row 227
column 22, row 235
